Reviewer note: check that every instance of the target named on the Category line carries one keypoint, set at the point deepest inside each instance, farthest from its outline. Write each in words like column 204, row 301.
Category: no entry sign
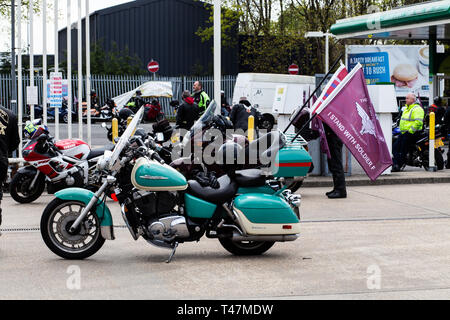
column 153, row 66
column 294, row 69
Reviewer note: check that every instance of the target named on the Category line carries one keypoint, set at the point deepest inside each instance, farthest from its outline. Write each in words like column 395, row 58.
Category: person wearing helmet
column 9, row 141
column 438, row 110
column 125, row 113
column 94, row 99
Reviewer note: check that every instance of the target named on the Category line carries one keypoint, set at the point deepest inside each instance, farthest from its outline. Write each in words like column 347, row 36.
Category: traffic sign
column 153, row 66
column 56, row 90
column 294, row 69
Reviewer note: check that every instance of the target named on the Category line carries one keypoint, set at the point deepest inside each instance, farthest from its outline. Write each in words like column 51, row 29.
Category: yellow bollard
column 115, row 129
column 128, row 123
column 251, row 128
column 432, row 160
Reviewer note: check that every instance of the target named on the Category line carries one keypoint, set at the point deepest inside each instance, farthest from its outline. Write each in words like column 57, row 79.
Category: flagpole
column 332, row 95
column 312, row 95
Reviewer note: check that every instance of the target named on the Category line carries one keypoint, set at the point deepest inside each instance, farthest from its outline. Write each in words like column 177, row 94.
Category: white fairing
column 74, row 148
column 114, row 162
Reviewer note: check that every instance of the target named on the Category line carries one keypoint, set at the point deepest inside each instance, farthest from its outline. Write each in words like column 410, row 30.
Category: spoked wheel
column 245, row 248
column 56, row 221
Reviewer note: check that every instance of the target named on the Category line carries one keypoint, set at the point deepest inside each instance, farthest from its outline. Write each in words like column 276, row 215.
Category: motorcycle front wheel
column 245, row 248
column 56, row 221
column 20, row 187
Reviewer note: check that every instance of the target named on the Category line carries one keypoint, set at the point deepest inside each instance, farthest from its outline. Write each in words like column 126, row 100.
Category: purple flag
column 349, row 112
column 317, row 125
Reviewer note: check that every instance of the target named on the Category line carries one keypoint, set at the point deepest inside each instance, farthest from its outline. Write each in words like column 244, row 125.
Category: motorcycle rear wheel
column 19, row 190
column 245, row 248
column 56, row 221
column 438, row 158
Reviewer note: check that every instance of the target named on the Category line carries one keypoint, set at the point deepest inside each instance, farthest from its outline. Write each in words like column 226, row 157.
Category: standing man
column 410, row 124
column 335, row 165
column 201, row 98
column 187, row 113
column 9, row 141
column 241, row 112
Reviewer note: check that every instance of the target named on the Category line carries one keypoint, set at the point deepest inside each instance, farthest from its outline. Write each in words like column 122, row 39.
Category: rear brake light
column 286, row 227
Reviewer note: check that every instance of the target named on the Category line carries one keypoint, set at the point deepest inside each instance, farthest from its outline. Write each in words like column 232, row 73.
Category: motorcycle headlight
column 104, row 160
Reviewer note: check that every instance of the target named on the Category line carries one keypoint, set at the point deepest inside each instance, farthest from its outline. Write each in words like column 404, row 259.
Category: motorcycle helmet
column 222, row 123
column 438, row 101
column 302, row 118
column 229, row 155
column 141, row 133
column 30, row 129
column 125, row 113
column 42, row 129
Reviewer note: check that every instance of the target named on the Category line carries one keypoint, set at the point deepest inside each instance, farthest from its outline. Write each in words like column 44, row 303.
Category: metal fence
column 107, row 86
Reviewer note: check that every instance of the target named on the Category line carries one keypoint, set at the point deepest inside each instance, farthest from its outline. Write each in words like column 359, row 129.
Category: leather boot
column 338, row 194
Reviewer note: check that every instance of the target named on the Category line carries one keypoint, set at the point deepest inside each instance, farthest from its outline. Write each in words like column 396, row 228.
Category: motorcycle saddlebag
column 291, row 162
column 264, row 214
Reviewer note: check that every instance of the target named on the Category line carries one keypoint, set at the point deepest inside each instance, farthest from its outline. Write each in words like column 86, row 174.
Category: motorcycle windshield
column 125, row 137
column 204, row 119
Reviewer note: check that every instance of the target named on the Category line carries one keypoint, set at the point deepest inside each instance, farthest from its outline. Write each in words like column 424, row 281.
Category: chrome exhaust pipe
column 280, row 238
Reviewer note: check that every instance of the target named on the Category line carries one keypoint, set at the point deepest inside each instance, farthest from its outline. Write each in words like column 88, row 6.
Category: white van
column 260, row 89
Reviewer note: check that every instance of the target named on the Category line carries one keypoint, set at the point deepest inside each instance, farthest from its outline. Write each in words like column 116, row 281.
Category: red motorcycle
column 57, row 164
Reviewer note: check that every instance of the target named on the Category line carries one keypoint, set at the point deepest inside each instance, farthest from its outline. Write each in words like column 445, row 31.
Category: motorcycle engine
column 157, row 209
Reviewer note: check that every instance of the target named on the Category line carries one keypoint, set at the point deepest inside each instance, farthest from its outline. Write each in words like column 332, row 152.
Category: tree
column 274, row 30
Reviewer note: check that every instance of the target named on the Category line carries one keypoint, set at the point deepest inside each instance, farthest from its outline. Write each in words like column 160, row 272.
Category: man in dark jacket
column 188, row 112
column 9, row 141
column 335, row 165
column 241, row 112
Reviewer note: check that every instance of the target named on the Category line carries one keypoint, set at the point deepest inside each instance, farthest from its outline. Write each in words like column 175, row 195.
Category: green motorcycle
column 248, row 211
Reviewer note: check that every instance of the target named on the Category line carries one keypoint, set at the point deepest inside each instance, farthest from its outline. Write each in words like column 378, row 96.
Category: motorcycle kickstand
column 173, row 252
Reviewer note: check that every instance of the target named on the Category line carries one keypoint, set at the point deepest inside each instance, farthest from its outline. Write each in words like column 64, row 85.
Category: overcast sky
column 5, row 25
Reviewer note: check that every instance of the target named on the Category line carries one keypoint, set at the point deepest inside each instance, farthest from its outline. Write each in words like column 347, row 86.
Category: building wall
column 163, row 30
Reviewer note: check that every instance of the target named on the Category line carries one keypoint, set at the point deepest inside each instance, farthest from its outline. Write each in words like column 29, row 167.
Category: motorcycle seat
column 224, row 193
column 99, row 152
column 250, row 178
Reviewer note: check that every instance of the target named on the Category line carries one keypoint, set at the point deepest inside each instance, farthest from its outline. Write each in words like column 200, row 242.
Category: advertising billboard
column 407, row 66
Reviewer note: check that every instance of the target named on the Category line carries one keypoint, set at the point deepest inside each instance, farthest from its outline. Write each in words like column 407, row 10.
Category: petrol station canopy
column 415, row 22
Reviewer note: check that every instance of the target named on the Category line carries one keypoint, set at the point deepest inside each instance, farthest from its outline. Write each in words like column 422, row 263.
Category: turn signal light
column 114, row 197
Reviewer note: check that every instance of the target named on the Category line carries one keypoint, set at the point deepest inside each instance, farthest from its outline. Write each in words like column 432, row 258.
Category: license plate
column 439, row 143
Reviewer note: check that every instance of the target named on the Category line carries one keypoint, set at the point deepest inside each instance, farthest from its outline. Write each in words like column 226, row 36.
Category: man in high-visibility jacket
column 201, row 98
column 410, row 124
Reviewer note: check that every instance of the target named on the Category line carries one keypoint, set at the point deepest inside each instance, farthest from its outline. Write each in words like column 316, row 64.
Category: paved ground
column 383, row 242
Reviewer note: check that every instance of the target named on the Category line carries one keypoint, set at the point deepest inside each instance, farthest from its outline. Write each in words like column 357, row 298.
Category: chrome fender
column 102, row 211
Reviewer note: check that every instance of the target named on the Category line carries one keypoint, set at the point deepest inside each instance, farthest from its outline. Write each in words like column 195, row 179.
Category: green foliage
column 273, row 31
column 112, row 62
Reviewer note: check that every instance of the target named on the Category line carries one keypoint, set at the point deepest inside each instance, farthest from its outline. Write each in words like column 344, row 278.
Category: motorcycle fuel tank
column 74, row 148
column 150, row 175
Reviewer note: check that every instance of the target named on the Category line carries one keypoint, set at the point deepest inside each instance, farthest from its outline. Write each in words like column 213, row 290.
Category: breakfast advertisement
column 405, row 66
